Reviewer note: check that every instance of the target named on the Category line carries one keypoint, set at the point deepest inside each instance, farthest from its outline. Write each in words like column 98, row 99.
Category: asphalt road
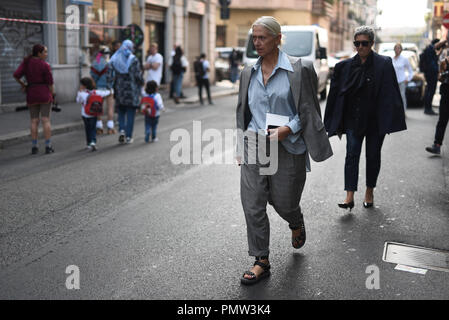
column 140, row 227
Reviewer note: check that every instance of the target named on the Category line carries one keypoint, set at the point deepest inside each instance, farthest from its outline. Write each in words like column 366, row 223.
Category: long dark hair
column 178, row 52
column 37, row 48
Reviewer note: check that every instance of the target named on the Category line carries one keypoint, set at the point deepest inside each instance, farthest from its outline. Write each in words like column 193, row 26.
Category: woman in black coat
column 364, row 102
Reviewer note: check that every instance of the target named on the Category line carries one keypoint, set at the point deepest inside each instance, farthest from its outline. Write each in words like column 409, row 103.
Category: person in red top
column 39, row 90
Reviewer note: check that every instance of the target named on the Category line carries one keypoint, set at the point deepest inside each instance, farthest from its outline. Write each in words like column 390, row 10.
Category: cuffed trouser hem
column 259, row 253
column 295, row 227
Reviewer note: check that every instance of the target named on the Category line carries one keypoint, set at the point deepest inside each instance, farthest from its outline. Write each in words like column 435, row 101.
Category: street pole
column 142, row 26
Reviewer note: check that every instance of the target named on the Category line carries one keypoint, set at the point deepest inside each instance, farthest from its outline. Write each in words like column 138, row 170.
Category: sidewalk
column 14, row 126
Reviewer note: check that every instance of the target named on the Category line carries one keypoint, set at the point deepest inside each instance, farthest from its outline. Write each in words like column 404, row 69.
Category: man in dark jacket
column 364, row 101
column 430, row 57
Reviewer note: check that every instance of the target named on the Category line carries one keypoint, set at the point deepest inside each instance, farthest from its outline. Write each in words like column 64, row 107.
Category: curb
column 12, row 107
column 24, row 135
column 223, row 93
column 10, row 139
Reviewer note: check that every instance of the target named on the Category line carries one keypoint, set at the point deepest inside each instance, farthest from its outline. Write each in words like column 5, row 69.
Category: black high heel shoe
column 368, row 204
column 349, row 205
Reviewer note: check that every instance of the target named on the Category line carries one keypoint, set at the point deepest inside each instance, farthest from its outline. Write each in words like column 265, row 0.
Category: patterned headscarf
column 122, row 59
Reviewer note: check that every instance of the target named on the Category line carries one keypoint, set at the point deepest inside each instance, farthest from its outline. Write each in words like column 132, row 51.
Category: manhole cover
column 415, row 256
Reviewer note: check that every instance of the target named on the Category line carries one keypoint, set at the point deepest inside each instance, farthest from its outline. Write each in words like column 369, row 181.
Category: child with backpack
column 92, row 107
column 151, row 105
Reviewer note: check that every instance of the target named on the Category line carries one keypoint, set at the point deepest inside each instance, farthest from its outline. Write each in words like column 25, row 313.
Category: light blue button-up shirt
column 276, row 97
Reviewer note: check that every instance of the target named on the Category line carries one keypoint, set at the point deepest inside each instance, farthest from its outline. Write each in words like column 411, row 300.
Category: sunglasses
column 363, row 43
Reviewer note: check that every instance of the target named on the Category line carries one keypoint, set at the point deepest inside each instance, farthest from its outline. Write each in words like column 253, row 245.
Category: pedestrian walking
column 91, row 101
column 154, row 64
column 202, row 68
column 152, row 104
column 127, row 80
column 99, row 74
column 364, row 102
column 286, row 88
column 39, row 90
column 178, row 66
column 401, row 66
column 444, row 108
column 234, row 62
column 430, row 57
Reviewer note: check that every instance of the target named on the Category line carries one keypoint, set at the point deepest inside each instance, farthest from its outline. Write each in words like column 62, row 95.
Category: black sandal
column 254, row 279
column 299, row 241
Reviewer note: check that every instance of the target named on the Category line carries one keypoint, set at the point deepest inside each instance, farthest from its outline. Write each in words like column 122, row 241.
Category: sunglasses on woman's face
column 363, row 43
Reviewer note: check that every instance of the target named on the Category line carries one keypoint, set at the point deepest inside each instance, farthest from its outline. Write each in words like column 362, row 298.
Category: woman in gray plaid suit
column 282, row 88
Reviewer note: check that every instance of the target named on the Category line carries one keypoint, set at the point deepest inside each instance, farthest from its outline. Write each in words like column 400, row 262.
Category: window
column 242, row 35
column 103, row 12
column 221, row 36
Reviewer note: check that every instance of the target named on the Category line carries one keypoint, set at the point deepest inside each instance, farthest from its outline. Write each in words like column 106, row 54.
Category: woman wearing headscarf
column 364, row 102
column 126, row 75
column 39, row 91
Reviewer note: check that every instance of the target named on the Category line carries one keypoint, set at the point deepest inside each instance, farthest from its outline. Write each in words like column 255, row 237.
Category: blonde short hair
column 269, row 23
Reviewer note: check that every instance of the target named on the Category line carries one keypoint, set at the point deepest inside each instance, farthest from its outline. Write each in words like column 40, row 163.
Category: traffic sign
column 446, row 21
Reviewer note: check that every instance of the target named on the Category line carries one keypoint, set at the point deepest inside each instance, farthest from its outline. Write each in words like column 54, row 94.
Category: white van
column 307, row 42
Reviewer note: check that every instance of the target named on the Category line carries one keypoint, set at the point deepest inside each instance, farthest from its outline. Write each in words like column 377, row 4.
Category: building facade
column 438, row 9
column 188, row 23
column 339, row 17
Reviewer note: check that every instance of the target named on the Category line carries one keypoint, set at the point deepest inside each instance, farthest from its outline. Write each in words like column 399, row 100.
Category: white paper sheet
column 275, row 120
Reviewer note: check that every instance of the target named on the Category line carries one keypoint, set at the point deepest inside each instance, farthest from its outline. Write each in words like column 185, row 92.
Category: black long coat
column 388, row 102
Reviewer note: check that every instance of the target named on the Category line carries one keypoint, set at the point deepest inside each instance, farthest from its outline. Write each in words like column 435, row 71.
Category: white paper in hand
column 275, row 120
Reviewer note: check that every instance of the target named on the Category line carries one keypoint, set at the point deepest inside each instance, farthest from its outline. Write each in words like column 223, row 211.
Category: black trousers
column 373, row 149
column 432, row 80
column 205, row 83
column 90, row 126
column 444, row 114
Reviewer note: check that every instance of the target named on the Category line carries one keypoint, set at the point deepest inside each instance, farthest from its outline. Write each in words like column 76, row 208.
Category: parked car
column 415, row 88
column 222, row 68
column 308, row 42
